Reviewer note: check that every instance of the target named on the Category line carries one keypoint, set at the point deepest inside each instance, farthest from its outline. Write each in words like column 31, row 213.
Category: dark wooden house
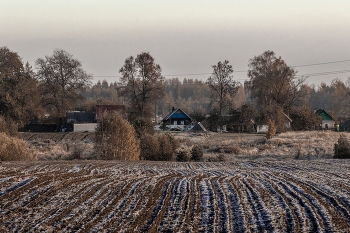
column 177, row 119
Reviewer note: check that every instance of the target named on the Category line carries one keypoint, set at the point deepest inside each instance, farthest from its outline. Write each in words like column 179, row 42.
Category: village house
column 263, row 128
column 328, row 119
column 87, row 121
column 177, row 120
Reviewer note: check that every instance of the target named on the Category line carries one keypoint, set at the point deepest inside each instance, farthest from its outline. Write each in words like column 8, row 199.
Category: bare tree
column 222, row 85
column 273, row 82
column 60, row 77
column 142, row 84
column 19, row 98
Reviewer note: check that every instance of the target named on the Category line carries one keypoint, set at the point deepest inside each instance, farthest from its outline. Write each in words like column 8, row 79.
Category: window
column 182, row 122
column 175, row 122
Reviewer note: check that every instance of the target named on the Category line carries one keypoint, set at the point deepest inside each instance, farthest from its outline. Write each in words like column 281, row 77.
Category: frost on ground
column 305, row 145
column 116, row 196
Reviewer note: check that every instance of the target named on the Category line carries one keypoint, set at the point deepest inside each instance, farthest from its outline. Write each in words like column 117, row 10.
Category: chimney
column 173, row 109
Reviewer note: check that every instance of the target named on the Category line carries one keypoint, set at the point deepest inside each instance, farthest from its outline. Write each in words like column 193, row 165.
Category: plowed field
column 116, row 196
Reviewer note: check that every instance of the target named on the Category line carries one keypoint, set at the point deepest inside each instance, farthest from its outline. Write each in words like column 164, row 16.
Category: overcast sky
column 184, row 37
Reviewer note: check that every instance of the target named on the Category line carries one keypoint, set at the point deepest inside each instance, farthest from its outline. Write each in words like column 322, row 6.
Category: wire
column 323, row 63
column 242, row 71
column 325, row 73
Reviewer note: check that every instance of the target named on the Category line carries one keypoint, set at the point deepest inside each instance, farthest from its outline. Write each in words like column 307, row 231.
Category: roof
column 345, row 123
column 330, row 114
column 198, row 128
column 173, row 112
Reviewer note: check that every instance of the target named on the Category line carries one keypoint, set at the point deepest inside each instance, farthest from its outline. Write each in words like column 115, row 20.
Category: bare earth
column 117, row 196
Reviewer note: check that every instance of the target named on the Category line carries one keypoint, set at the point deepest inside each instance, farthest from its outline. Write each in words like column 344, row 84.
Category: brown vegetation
column 115, row 138
column 12, row 148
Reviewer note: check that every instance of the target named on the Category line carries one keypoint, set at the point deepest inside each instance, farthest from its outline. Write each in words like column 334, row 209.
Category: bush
column 12, row 148
column 115, row 139
column 183, row 156
column 166, row 148
column 149, row 148
column 161, row 149
column 78, row 151
column 197, row 153
column 342, row 148
column 271, row 131
column 9, row 127
column 213, row 159
column 222, row 157
column 173, row 142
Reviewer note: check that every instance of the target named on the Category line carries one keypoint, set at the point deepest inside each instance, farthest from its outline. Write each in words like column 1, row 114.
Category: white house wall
column 330, row 123
column 85, row 127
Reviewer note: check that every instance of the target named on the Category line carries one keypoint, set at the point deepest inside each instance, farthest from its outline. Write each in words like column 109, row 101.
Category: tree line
column 58, row 83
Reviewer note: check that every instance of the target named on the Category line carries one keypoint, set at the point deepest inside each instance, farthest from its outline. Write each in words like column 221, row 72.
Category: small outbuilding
column 344, row 127
column 197, row 128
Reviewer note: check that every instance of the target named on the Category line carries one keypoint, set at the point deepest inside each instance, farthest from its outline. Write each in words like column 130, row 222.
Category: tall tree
column 19, row 98
column 340, row 98
column 142, row 84
column 273, row 82
column 222, row 85
column 60, row 77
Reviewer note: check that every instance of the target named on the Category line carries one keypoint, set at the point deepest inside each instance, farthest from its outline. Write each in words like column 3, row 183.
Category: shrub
column 115, row 139
column 78, row 151
column 149, row 148
column 162, row 149
column 213, row 159
column 166, row 148
column 9, row 127
column 183, row 156
column 222, row 157
column 197, row 153
column 271, row 131
column 173, row 142
column 342, row 148
column 12, row 148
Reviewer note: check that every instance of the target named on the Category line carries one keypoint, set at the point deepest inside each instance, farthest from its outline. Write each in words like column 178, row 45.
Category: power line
column 243, row 71
column 326, row 73
column 323, row 63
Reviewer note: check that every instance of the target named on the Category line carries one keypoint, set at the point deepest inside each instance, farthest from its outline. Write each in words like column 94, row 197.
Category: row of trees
column 59, row 83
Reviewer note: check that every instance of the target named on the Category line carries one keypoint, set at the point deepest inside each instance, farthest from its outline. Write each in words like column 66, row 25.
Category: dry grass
column 285, row 146
column 64, row 150
column 13, row 149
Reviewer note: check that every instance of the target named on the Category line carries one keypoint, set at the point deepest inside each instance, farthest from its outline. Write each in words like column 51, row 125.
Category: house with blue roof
column 177, row 119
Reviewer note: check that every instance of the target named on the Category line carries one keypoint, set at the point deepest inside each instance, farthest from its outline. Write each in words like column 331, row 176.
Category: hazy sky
column 184, row 37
